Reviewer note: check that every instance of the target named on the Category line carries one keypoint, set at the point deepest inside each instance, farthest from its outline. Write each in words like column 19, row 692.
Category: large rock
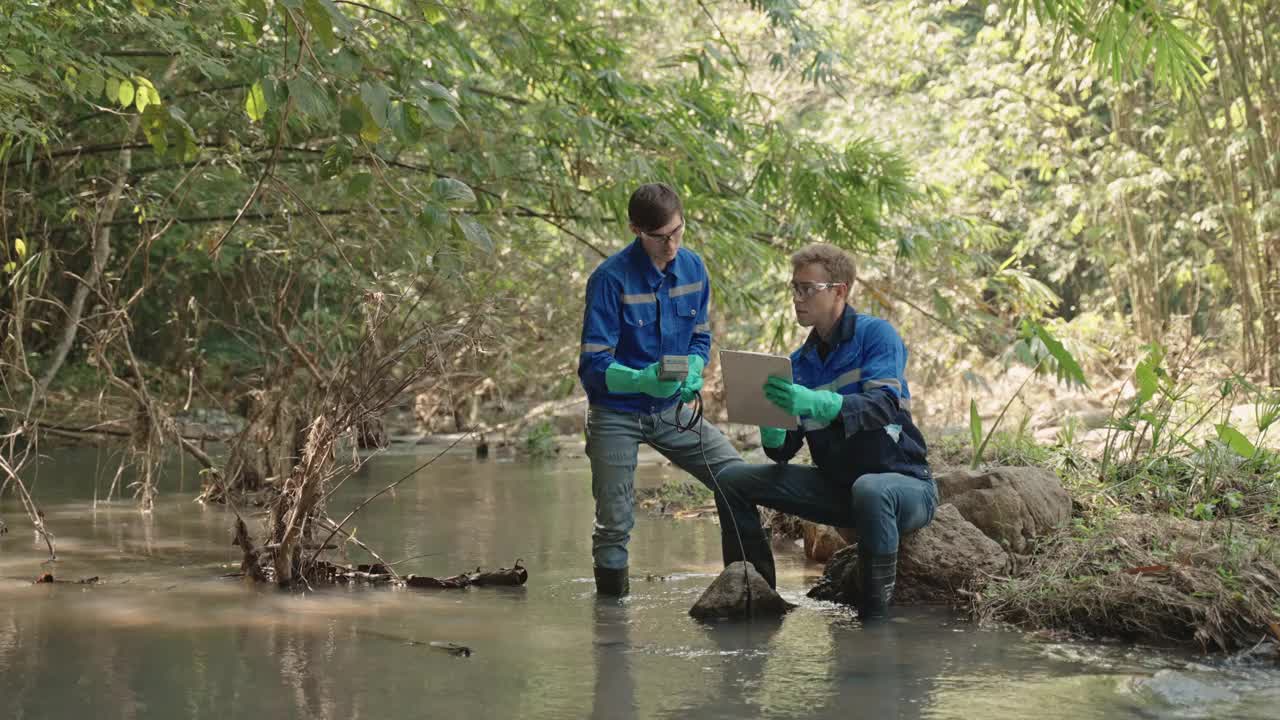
column 739, row 592
column 821, row 541
column 1011, row 505
column 935, row 562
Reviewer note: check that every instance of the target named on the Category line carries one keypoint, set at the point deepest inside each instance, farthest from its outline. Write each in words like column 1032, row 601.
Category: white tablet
column 745, row 374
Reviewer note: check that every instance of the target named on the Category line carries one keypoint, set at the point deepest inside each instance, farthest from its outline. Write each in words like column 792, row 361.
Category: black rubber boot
column 612, row 582
column 878, row 573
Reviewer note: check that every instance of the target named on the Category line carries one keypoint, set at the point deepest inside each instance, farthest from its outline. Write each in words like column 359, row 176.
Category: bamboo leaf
column 1236, row 440
column 1065, row 366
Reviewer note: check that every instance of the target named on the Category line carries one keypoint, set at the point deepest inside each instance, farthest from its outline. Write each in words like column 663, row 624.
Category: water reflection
column 614, row 693
column 162, row 637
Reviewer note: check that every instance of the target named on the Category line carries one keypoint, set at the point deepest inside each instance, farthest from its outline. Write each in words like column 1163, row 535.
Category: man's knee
column 740, row 477
column 872, row 492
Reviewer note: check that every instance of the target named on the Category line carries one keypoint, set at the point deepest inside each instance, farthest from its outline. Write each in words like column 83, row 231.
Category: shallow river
column 161, row 635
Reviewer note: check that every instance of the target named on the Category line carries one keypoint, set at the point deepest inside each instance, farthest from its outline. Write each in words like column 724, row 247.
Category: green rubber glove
column 821, row 405
column 772, row 437
column 622, row 379
column 693, row 381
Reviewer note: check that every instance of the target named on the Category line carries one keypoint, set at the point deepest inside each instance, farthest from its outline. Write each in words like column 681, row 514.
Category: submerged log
column 377, row 573
column 47, row 578
column 453, row 649
column 457, row 582
column 509, row 577
column 502, row 576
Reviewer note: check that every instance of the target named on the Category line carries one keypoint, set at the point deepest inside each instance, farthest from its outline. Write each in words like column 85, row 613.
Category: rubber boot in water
column 612, row 582
column 878, row 575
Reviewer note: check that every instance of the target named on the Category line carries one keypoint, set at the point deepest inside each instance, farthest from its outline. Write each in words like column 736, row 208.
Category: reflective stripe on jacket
column 635, row 314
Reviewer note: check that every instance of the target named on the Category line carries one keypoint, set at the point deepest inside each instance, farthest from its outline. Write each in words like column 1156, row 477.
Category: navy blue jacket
column 635, row 314
column 866, row 363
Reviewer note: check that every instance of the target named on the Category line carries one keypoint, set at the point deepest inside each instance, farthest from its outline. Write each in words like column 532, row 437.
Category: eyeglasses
column 806, row 290
column 668, row 237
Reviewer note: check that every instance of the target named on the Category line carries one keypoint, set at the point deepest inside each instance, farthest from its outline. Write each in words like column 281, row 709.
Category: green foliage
column 297, row 153
column 540, row 441
column 1164, row 452
column 1126, row 39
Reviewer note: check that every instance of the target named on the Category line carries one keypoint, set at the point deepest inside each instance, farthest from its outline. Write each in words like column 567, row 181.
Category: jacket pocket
column 640, row 314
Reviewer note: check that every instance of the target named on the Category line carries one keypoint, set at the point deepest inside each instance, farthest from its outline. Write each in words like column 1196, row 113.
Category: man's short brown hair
column 654, row 205
column 837, row 262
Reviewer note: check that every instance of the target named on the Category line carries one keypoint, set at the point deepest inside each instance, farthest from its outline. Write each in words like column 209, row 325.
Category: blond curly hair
column 837, row 262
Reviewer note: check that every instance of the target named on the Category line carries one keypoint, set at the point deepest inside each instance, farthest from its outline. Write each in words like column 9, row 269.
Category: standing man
column 851, row 395
column 644, row 303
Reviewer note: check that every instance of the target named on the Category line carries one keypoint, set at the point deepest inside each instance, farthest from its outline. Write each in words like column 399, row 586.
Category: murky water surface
column 163, row 636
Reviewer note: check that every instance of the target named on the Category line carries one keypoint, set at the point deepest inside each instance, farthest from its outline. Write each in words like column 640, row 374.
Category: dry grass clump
column 1148, row 578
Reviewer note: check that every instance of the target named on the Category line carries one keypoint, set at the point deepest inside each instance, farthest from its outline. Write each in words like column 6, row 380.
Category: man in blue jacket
column 644, row 303
column 850, row 393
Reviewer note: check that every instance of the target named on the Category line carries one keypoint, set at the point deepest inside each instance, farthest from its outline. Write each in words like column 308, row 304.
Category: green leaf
column 1236, row 440
column 345, row 63
column 351, row 119
column 308, row 97
column 975, row 430
column 453, row 192
column 406, row 123
column 254, row 15
column 439, row 92
column 145, row 95
column 377, row 100
column 321, row 22
column 443, row 114
column 112, row 88
column 433, row 13
column 125, row 93
column 155, row 125
column 474, row 232
column 337, row 158
column 360, row 184
column 255, row 102
column 434, row 217
column 1066, row 367
column 90, row 84
column 1147, row 381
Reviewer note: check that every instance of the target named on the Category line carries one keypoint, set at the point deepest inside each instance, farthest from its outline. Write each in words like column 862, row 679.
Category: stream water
column 162, row 635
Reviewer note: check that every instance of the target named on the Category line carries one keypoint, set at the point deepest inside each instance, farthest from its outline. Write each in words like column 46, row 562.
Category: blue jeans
column 613, row 440
column 879, row 506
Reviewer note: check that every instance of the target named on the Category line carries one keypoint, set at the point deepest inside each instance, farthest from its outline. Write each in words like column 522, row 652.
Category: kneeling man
column 851, row 396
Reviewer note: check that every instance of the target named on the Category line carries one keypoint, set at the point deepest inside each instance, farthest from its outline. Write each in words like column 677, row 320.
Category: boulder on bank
column 821, row 541
column 934, row 563
column 739, row 592
column 1011, row 505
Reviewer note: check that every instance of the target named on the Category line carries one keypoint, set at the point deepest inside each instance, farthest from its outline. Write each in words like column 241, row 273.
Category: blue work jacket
column 635, row 314
column 865, row 363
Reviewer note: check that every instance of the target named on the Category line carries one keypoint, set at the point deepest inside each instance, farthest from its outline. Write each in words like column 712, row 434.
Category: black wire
column 695, row 421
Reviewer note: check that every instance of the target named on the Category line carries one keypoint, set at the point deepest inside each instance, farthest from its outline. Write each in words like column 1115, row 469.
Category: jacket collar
column 844, row 330
column 642, row 264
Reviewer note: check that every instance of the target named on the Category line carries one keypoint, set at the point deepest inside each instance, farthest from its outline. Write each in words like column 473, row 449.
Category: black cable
column 695, row 421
